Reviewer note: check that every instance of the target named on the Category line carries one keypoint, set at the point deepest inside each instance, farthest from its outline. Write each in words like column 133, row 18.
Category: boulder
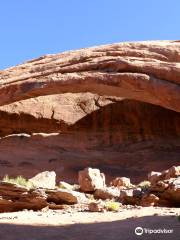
column 131, row 196
column 154, row 176
column 149, row 200
column 167, row 187
column 172, row 193
column 64, row 196
column 107, row 193
column 44, row 180
column 159, row 186
column 15, row 198
column 96, row 207
column 121, row 182
column 91, row 179
column 172, row 172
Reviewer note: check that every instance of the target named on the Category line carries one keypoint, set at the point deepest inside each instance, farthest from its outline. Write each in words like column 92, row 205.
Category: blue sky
column 30, row 28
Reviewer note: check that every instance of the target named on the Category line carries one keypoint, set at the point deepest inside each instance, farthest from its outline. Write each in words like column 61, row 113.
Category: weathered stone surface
column 145, row 71
column 45, row 179
column 121, row 182
column 64, row 196
column 131, row 196
column 168, row 188
column 15, row 198
column 172, row 191
column 154, row 176
column 49, row 114
column 107, row 193
column 96, row 207
column 149, row 200
column 172, row 172
column 91, row 179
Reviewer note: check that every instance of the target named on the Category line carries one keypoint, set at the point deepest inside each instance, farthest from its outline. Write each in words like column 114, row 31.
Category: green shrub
column 112, row 206
column 19, row 180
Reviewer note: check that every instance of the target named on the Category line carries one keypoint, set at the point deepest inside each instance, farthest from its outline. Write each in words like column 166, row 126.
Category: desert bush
column 19, row 180
column 112, row 206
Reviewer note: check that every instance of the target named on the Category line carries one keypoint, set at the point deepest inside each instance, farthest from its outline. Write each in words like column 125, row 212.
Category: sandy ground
column 56, row 225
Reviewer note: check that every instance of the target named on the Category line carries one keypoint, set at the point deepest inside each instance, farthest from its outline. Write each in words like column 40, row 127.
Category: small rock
column 96, row 207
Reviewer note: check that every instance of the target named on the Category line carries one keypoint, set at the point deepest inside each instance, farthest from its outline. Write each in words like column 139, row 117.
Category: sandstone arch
column 132, row 77
column 144, row 71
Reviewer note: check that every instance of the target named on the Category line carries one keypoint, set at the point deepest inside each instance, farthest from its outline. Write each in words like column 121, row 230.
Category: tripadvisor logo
column 139, row 231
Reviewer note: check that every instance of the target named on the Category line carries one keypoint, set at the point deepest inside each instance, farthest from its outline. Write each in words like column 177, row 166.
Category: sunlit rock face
column 113, row 107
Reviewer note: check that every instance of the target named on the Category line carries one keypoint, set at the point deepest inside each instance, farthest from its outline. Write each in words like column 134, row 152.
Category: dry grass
column 19, row 180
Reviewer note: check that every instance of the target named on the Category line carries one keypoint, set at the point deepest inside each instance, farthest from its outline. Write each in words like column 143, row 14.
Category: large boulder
column 172, row 192
column 131, row 196
column 44, row 180
column 154, row 176
column 121, row 182
column 149, row 200
column 15, row 198
column 107, row 193
column 64, row 196
column 167, row 186
column 172, row 172
column 91, row 179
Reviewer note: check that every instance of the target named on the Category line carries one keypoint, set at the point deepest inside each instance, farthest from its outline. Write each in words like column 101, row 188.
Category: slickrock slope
column 115, row 107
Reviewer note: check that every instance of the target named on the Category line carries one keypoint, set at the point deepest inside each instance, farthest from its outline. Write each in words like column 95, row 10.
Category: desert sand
column 28, row 225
